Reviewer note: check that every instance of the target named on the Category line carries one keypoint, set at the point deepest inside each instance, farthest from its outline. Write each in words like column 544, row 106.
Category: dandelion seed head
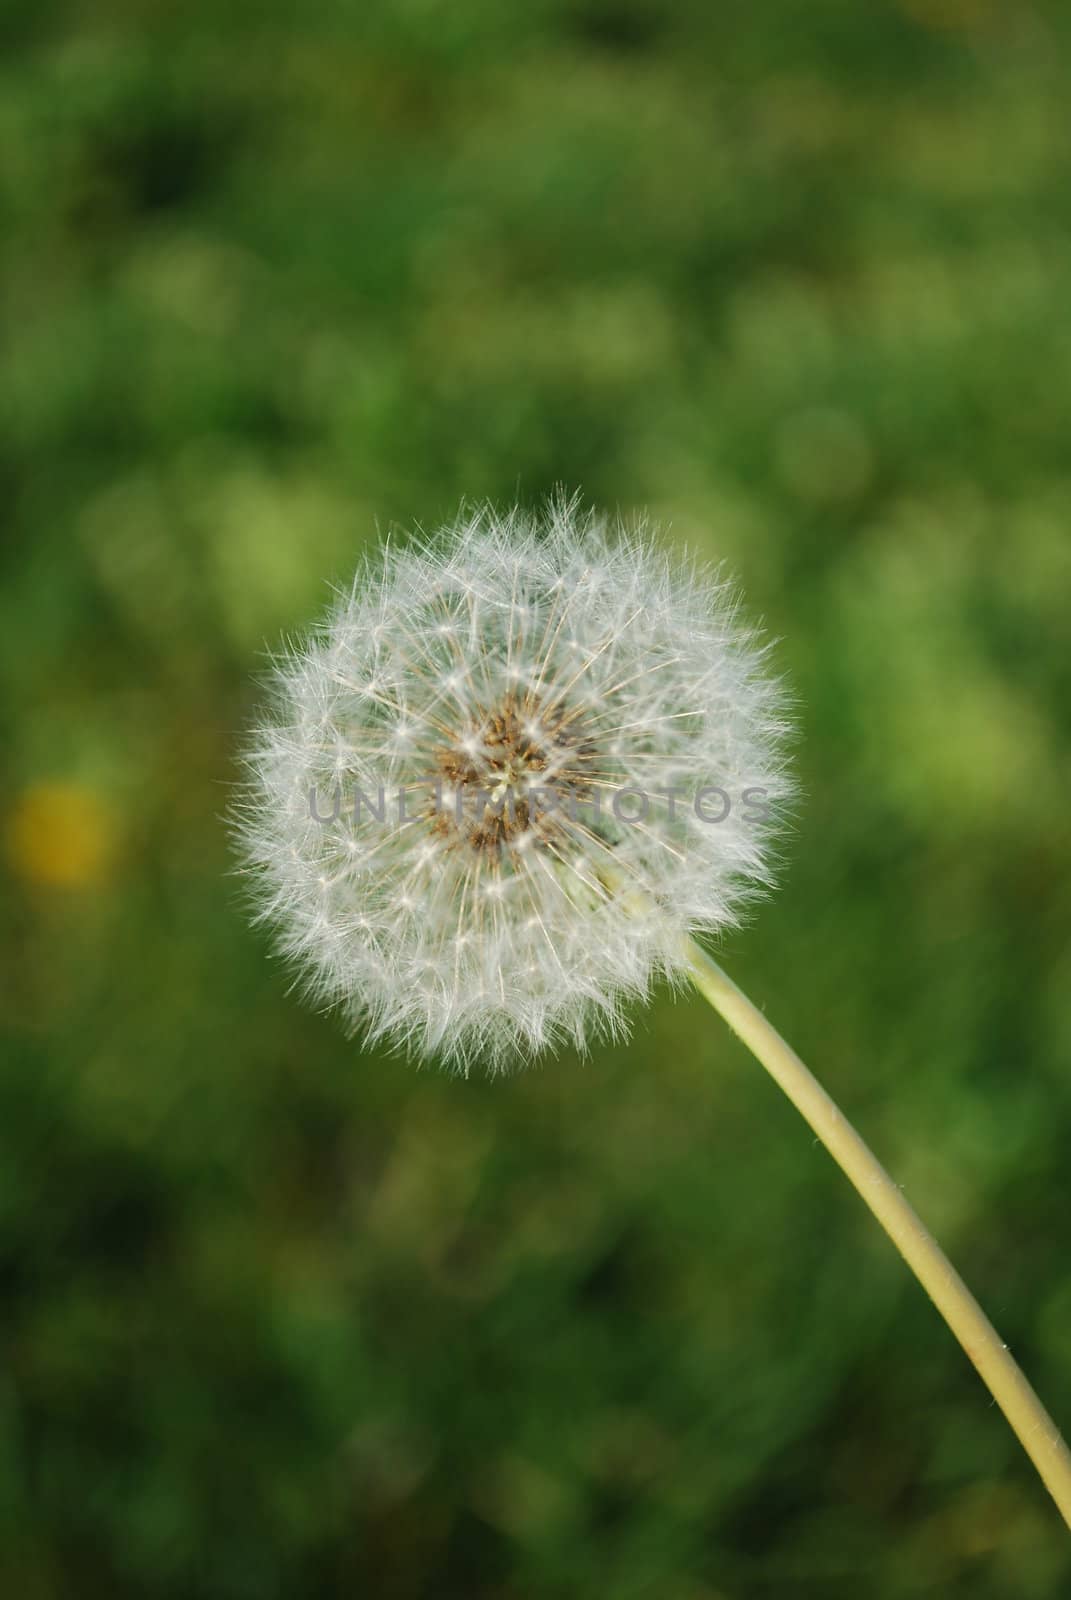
column 490, row 693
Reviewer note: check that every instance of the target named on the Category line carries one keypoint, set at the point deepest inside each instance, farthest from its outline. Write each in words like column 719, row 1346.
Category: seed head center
column 512, row 771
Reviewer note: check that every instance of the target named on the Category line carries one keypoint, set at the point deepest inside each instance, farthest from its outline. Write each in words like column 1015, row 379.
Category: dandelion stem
column 1036, row 1431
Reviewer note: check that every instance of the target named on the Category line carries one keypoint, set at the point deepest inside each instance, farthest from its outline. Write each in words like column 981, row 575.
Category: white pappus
column 516, row 762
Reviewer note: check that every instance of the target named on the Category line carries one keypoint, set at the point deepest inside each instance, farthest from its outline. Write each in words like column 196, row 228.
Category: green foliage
column 285, row 1319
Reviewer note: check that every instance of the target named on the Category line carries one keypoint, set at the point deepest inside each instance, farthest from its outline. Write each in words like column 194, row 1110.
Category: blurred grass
column 282, row 1318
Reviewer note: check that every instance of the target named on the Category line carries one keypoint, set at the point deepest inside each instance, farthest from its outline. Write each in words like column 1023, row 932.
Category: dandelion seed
column 529, row 669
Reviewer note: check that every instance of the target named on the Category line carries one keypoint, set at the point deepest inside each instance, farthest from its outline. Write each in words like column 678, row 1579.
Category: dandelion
column 491, row 734
column 503, row 787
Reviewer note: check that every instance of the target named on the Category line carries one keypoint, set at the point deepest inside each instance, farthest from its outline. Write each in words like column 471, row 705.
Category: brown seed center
column 513, row 772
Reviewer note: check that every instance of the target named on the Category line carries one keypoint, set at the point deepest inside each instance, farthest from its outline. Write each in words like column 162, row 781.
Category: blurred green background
column 286, row 1319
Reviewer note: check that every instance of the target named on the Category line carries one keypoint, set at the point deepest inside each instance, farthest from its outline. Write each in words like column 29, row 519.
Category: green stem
column 1035, row 1429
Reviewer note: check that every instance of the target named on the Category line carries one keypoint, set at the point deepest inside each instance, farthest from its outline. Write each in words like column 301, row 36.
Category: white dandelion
column 500, row 790
column 494, row 735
